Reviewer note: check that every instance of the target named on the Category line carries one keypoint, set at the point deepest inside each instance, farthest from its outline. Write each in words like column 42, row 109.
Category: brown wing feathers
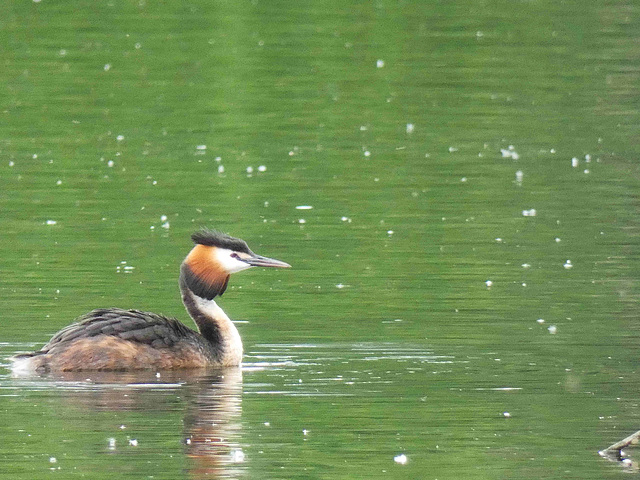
column 132, row 325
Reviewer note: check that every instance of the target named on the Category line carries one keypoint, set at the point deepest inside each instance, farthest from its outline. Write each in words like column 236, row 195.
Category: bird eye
column 235, row 255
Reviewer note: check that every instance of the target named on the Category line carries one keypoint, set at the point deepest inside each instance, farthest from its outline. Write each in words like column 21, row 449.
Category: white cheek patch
column 228, row 263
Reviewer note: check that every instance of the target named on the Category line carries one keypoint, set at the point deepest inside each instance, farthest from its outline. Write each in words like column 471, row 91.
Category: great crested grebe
column 117, row 339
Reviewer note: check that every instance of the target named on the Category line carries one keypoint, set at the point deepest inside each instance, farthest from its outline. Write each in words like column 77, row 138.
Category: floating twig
column 615, row 454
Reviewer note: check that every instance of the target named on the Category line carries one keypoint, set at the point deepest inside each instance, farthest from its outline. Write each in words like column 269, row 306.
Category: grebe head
column 215, row 256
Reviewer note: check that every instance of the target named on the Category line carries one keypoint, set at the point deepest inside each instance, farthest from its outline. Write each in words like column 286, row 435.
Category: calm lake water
column 455, row 184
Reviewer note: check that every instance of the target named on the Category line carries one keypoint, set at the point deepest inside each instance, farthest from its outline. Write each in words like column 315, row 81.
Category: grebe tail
column 117, row 339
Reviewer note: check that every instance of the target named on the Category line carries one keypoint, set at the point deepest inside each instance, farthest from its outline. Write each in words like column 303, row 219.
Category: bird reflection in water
column 213, row 426
column 212, row 401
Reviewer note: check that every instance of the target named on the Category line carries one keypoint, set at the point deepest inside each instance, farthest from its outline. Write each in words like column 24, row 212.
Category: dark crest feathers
column 214, row 238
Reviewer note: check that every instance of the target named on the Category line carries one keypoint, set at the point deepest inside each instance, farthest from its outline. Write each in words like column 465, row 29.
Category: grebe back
column 117, row 339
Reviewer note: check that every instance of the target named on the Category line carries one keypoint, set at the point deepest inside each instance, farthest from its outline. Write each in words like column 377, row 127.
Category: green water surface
column 464, row 297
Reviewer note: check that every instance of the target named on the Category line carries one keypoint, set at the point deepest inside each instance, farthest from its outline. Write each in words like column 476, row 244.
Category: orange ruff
column 202, row 264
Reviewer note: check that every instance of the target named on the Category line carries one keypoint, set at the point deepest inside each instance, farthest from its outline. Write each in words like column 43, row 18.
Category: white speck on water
column 552, row 329
column 558, row 240
column 138, row 46
column 249, row 169
column 302, row 220
column 163, row 218
column 568, row 264
column 586, row 170
column 529, row 213
column 267, row 424
column 262, row 168
column 201, row 147
column 305, row 432
column 133, row 442
column 345, row 219
column 59, row 182
column 526, row 265
column 237, row 456
column 51, row 222
column 218, row 159
column 509, row 153
column 53, row 460
column 11, row 163
column 519, row 176
column 553, row 150
column 120, row 138
column 390, row 232
column 587, row 158
column 124, row 267
column 506, row 414
column 367, row 153
column 152, row 227
column 110, row 163
column 304, row 207
column 540, row 321
column 112, row 443
column 363, row 128
column 401, row 459
column 166, row 225
column 220, row 168
column 452, row 149
column 410, row 127
column 62, row 52
column 488, row 283
column 122, row 427
column 499, row 240
column 107, row 67
column 380, row 63
column 463, row 179
column 155, row 182
column 292, row 153
column 574, row 162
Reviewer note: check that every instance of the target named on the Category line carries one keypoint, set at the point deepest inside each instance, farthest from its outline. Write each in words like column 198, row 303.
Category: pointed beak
column 260, row 261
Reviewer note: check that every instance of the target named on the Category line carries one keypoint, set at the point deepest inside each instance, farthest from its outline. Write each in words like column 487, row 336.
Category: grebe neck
column 214, row 325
